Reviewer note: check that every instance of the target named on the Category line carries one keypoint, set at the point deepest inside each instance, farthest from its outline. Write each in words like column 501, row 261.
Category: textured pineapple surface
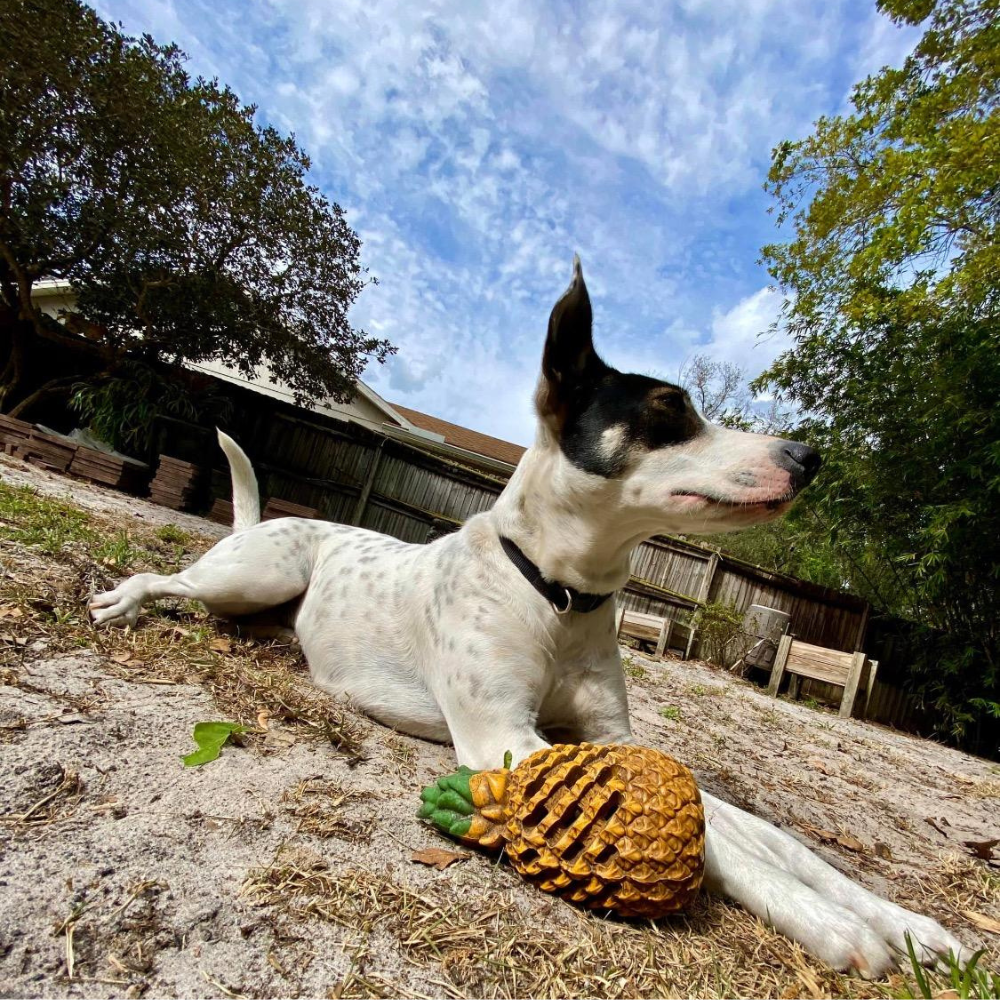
column 617, row 828
column 610, row 827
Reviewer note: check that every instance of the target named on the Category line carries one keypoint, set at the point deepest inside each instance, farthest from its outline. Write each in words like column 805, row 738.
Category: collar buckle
column 569, row 603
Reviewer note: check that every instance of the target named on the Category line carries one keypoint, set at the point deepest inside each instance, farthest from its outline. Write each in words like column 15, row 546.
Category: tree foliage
column 892, row 280
column 905, row 191
column 188, row 232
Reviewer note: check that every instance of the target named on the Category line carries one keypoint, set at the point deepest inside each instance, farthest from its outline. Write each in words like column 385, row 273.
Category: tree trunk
column 55, row 387
column 16, row 332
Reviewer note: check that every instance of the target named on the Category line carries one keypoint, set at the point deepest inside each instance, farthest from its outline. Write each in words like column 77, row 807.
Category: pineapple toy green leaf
column 616, row 827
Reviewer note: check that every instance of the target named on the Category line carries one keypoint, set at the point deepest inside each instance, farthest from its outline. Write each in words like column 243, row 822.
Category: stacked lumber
column 175, row 484
column 109, row 470
column 221, row 512
column 46, row 451
column 13, row 432
column 285, row 508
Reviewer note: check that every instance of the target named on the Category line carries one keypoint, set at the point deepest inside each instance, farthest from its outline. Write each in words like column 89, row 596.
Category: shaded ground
column 284, row 868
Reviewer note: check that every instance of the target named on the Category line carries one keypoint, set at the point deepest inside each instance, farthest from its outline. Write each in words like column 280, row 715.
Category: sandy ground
column 284, row 868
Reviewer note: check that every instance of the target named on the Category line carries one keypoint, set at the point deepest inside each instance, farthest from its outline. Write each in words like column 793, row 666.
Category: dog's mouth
column 727, row 504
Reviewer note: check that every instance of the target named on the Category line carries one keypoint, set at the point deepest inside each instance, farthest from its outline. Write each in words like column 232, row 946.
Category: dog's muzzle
column 799, row 460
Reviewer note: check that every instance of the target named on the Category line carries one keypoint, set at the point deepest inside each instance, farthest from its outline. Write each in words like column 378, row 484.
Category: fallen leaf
column 221, row 645
column 883, row 851
column 982, row 849
column 121, row 657
column 263, row 717
column 73, row 717
column 210, row 737
column 11, row 612
column 929, row 820
column 983, row 922
column 946, row 995
column 437, row 858
column 851, row 843
column 818, row 764
column 815, row 831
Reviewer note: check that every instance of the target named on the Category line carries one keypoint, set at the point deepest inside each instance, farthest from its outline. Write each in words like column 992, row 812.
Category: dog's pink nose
column 799, row 460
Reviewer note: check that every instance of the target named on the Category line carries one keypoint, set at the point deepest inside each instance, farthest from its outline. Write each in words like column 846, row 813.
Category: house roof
column 463, row 437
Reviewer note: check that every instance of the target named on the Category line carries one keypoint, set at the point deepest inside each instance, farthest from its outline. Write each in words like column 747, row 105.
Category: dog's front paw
column 114, row 608
column 931, row 942
column 839, row 938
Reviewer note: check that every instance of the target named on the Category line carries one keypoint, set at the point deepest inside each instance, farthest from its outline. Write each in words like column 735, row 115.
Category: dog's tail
column 246, row 493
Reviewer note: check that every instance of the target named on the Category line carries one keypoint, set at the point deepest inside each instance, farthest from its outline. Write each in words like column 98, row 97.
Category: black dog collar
column 563, row 599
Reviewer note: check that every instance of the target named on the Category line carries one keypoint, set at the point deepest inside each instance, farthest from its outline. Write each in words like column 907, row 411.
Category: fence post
column 366, row 489
column 709, row 578
column 780, row 659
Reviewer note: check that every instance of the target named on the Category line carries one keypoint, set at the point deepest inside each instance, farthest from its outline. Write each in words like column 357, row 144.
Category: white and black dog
column 502, row 632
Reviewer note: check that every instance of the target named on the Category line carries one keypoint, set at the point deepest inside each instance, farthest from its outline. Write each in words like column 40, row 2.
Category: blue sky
column 475, row 147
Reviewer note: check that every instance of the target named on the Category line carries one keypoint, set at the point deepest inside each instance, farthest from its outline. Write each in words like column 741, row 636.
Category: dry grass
column 988, row 789
column 44, row 606
column 486, row 941
column 63, row 789
column 401, row 754
column 318, row 804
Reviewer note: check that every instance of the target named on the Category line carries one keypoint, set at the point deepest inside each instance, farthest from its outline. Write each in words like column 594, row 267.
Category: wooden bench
column 653, row 628
column 853, row 672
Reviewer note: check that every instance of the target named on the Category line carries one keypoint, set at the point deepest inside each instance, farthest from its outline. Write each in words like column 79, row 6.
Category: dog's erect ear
column 570, row 360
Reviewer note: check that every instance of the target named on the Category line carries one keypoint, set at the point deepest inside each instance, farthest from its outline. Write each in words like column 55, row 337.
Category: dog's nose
column 801, row 461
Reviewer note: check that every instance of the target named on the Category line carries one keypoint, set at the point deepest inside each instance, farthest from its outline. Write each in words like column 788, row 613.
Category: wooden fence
column 358, row 476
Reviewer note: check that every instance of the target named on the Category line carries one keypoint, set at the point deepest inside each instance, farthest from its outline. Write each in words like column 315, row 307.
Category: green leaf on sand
column 210, row 737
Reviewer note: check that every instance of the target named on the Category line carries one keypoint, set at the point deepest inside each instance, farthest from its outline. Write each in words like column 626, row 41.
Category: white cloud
column 743, row 334
column 476, row 147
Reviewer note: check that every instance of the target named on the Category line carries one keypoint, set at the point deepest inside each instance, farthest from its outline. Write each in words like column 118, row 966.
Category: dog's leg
column 785, row 884
column 243, row 574
column 491, row 710
column 589, row 703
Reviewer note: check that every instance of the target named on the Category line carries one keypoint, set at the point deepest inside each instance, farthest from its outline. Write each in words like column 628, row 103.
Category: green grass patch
column 55, row 528
column 704, row 690
column 671, row 712
column 172, row 535
column 119, row 553
column 974, row 982
column 631, row 668
column 41, row 522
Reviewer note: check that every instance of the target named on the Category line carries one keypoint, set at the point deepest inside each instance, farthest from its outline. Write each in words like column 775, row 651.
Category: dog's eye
column 670, row 399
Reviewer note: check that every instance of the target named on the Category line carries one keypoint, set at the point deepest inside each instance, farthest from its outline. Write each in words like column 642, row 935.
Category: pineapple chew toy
column 617, row 828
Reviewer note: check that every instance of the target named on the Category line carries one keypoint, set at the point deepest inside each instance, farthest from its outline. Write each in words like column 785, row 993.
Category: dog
column 505, row 630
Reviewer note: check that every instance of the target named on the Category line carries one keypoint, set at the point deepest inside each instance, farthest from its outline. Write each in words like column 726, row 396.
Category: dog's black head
column 647, row 433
